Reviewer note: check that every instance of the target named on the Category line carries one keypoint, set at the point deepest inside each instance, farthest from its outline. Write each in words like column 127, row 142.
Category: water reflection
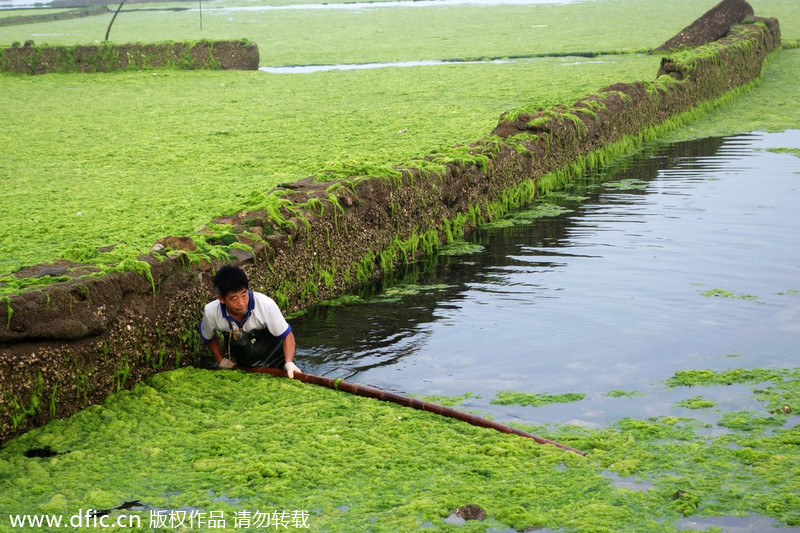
column 607, row 296
column 308, row 69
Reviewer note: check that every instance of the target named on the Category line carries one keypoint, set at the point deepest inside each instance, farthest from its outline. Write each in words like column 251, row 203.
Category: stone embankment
column 29, row 58
column 79, row 12
column 71, row 343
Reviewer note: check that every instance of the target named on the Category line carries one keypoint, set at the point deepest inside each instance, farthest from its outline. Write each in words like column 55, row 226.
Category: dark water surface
column 612, row 295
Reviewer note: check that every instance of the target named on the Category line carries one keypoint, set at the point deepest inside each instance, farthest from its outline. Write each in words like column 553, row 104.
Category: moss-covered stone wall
column 105, row 57
column 78, row 12
column 71, row 343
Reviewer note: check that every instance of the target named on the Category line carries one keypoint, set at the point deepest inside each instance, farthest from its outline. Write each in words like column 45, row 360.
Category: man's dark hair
column 230, row 278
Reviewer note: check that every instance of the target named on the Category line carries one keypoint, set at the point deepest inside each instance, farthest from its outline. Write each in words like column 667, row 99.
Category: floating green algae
column 542, row 210
column 695, row 402
column 619, row 393
column 722, row 293
column 565, row 196
column 460, row 247
column 749, row 420
column 625, row 185
column 341, row 301
column 527, row 216
column 792, row 151
column 677, row 493
column 694, row 378
column 450, row 401
column 535, row 400
column 778, row 388
column 395, row 294
column 499, row 223
column 227, row 442
column 388, row 294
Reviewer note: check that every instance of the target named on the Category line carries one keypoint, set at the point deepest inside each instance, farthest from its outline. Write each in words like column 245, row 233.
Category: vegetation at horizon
column 380, row 34
column 413, row 33
column 8, row 13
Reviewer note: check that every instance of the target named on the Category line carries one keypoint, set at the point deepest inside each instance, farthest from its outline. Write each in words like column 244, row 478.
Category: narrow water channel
column 309, row 69
column 684, row 256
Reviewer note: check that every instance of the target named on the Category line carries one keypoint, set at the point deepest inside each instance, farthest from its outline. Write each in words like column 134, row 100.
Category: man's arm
column 288, row 355
column 288, row 348
column 216, row 351
column 208, row 332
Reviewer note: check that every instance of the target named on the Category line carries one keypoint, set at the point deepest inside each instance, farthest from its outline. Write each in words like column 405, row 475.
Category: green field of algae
column 416, row 32
column 380, row 34
column 131, row 157
column 123, row 159
column 227, row 445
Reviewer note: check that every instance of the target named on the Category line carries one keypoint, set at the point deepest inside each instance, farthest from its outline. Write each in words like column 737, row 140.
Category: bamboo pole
column 380, row 394
column 113, row 18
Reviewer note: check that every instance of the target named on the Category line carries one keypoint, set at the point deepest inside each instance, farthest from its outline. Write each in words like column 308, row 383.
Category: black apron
column 254, row 348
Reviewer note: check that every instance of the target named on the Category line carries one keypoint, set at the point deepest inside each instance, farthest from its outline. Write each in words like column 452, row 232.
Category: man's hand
column 226, row 364
column 291, row 368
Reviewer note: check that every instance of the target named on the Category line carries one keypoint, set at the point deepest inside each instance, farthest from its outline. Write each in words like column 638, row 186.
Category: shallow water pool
column 684, row 256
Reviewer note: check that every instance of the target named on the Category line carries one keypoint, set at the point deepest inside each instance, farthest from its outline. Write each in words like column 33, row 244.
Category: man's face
column 236, row 302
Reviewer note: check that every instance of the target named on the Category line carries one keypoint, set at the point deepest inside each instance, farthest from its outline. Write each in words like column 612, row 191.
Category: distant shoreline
column 61, row 4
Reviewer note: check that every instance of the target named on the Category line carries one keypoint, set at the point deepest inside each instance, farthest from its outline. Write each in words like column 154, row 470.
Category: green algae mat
column 231, row 447
column 126, row 158
column 123, row 159
column 408, row 32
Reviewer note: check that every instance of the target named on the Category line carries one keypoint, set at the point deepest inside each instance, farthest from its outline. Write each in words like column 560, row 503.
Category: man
column 253, row 328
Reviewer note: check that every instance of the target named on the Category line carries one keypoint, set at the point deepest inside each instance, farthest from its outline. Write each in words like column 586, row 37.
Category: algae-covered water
column 649, row 317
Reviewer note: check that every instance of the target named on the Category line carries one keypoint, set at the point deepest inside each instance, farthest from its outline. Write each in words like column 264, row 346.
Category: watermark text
column 173, row 519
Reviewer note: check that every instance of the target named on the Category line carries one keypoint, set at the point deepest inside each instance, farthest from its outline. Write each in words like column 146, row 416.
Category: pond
column 683, row 256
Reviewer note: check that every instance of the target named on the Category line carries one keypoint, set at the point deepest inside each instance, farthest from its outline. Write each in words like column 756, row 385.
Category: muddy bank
column 105, row 57
column 71, row 343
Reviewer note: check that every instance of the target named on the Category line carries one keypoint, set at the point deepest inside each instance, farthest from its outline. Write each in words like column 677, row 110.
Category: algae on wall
column 107, row 56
